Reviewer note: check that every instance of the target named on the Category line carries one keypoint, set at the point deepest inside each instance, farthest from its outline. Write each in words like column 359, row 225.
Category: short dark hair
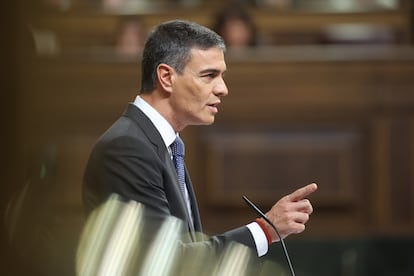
column 171, row 43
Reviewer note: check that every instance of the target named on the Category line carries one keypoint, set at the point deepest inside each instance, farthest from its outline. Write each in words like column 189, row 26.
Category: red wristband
column 268, row 237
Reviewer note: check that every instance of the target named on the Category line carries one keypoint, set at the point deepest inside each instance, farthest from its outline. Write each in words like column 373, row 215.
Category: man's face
column 197, row 92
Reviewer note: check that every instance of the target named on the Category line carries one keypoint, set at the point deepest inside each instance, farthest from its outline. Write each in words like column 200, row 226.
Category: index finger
column 303, row 192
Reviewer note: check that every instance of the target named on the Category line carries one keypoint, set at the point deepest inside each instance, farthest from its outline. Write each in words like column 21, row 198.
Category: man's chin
column 206, row 122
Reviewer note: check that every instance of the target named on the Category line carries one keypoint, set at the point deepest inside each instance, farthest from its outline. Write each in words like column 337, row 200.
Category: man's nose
column 221, row 88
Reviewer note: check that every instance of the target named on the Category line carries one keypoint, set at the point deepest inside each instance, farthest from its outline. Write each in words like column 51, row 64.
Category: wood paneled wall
column 342, row 117
column 92, row 27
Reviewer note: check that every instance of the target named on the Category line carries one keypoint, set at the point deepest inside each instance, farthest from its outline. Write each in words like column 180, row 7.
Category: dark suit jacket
column 130, row 159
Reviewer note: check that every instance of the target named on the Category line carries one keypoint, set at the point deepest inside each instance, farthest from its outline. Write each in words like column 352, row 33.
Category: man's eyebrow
column 211, row 70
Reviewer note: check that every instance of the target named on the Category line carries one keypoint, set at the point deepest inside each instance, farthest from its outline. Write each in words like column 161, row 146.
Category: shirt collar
column 164, row 128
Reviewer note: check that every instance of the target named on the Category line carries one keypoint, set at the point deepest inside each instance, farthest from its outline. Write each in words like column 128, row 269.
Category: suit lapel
column 177, row 204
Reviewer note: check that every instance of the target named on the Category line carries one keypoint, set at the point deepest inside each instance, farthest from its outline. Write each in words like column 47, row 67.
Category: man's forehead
column 208, row 58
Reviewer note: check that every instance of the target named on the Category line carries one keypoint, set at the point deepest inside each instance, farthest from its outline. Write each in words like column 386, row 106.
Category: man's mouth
column 213, row 107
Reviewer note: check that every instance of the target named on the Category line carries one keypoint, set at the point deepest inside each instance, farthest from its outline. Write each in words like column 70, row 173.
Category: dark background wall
column 340, row 115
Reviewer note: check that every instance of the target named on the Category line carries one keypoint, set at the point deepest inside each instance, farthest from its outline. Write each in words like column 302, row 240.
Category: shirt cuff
column 259, row 238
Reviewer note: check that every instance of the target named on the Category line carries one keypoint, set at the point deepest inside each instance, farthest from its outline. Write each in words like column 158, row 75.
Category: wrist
column 262, row 225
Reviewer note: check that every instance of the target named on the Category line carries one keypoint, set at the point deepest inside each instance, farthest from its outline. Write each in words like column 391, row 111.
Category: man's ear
column 165, row 75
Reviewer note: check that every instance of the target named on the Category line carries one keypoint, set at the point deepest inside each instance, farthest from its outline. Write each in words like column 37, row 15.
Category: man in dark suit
column 182, row 84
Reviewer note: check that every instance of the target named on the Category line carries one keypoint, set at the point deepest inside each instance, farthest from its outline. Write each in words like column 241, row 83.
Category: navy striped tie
column 177, row 149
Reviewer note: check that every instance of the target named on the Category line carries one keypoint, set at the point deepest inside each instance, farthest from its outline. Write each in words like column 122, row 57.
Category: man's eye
column 208, row 76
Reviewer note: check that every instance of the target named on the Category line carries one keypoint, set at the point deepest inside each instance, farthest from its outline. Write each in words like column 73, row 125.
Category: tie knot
column 177, row 147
